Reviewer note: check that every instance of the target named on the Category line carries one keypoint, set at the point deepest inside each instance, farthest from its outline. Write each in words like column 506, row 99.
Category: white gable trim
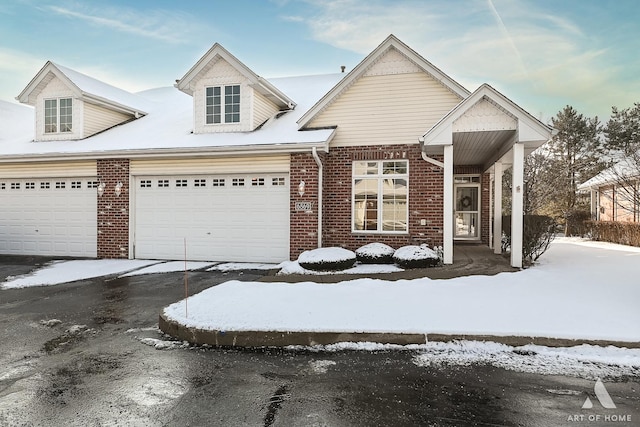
column 30, row 92
column 390, row 42
column 256, row 82
column 530, row 129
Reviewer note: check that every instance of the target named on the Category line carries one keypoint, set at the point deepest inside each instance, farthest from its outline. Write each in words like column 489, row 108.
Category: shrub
column 327, row 259
column 577, row 223
column 623, row 233
column 416, row 257
column 375, row 253
column 538, row 233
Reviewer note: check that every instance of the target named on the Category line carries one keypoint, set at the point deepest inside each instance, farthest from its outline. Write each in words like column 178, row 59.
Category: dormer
column 228, row 96
column 70, row 105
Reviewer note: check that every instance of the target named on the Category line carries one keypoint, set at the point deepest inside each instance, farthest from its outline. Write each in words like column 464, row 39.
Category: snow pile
column 416, row 257
column 169, row 267
column 293, row 267
column 236, row 266
column 585, row 361
column 375, row 253
column 327, row 259
column 69, row 271
column 576, row 292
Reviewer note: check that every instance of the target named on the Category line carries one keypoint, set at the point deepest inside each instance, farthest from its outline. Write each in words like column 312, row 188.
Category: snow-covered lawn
column 293, row 267
column 580, row 290
column 236, row 266
column 68, row 271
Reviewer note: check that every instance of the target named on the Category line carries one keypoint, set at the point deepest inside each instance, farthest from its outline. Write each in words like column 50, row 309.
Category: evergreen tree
column 576, row 155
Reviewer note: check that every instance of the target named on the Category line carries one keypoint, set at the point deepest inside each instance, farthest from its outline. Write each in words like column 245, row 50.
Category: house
column 227, row 165
column 615, row 192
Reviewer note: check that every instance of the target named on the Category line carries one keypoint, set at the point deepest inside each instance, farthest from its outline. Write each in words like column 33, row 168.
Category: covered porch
column 490, row 133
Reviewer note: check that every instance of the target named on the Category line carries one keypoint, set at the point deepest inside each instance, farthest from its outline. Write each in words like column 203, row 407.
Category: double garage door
column 229, row 217
column 48, row 216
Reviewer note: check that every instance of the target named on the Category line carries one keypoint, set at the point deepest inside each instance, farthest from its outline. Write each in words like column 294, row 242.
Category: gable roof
column 390, row 42
column 626, row 169
column 257, row 83
column 84, row 87
column 487, row 145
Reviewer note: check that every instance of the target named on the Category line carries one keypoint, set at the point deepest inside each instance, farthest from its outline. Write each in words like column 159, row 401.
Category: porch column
column 594, row 204
column 447, row 227
column 517, row 205
column 497, row 207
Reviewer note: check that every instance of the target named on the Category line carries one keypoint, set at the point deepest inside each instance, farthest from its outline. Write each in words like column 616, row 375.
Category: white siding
column 262, row 109
column 55, row 88
column 48, row 169
column 221, row 73
column 387, row 109
column 97, row 119
column 210, row 166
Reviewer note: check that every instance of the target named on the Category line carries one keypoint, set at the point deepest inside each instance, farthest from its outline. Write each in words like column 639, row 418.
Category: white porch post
column 497, row 207
column 517, row 205
column 447, row 229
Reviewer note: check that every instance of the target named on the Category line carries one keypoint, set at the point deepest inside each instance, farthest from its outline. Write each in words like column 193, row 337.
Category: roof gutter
column 427, row 158
column 314, row 153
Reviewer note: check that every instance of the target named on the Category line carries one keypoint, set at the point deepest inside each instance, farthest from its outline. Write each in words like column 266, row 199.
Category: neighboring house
column 231, row 166
column 615, row 192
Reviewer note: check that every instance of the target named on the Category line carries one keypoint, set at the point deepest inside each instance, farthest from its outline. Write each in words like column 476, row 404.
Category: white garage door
column 222, row 217
column 48, row 216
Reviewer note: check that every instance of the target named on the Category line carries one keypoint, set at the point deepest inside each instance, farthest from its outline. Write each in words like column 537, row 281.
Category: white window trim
column 380, row 199
column 223, row 105
column 58, row 115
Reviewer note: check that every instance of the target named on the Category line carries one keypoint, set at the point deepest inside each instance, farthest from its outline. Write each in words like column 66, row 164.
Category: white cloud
column 510, row 44
column 167, row 26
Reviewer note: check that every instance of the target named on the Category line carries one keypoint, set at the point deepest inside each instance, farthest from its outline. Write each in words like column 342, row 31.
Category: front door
column 467, row 209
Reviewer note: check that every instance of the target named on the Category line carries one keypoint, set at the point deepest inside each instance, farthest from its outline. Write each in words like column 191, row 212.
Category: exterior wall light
column 301, row 188
column 101, row 189
column 118, row 189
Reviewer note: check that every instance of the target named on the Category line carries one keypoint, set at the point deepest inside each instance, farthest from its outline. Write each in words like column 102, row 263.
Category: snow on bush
column 327, row 259
column 375, row 253
column 416, row 257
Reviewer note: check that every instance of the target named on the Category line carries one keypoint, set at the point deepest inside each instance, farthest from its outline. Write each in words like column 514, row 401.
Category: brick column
column 303, row 223
column 113, row 210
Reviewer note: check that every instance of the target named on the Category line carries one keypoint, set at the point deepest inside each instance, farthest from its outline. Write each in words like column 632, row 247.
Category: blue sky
column 543, row 54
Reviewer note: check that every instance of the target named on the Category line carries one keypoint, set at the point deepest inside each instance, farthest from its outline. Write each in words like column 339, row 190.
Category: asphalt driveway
column 88, row 353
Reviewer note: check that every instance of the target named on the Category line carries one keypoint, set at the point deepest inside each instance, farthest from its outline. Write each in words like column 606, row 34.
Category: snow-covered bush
column 416, row 257
column 327, row 259
column 375, row 253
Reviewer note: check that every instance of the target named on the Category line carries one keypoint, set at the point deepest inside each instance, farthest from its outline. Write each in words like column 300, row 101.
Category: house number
column 303, row 206
column 395, row 155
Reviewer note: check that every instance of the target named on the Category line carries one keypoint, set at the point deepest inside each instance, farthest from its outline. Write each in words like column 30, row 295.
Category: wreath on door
column 465, row 202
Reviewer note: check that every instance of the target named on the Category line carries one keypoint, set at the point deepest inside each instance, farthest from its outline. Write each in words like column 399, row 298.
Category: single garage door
column 231, row 217
column 48, row 216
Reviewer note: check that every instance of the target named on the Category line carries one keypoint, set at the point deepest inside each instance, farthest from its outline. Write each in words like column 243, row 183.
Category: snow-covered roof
column 15, row 121
column 624, row 169
column 260, row 84
column 85, row 87
column 167, row 129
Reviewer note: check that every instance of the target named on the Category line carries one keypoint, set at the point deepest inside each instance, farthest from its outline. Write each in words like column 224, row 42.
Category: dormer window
column 218, row 112
column 58, row 115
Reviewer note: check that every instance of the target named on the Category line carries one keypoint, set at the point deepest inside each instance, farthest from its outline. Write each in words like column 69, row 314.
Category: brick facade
column 113, row 210
column 425, row 199
column 303, row 223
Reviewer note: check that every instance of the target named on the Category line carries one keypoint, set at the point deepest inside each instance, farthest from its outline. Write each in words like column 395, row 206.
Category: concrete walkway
column 468, row 260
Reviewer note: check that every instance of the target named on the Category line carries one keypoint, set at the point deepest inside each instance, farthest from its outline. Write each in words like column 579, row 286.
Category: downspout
column 427, row 158
column 314, row 152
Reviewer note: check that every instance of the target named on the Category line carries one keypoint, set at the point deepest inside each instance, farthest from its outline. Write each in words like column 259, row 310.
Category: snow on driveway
column 578, row 291
column 68, row 271
column 169, row 267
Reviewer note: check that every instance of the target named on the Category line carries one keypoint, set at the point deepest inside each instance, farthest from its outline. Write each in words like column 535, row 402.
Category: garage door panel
column 220, row 221
column 38, row 219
